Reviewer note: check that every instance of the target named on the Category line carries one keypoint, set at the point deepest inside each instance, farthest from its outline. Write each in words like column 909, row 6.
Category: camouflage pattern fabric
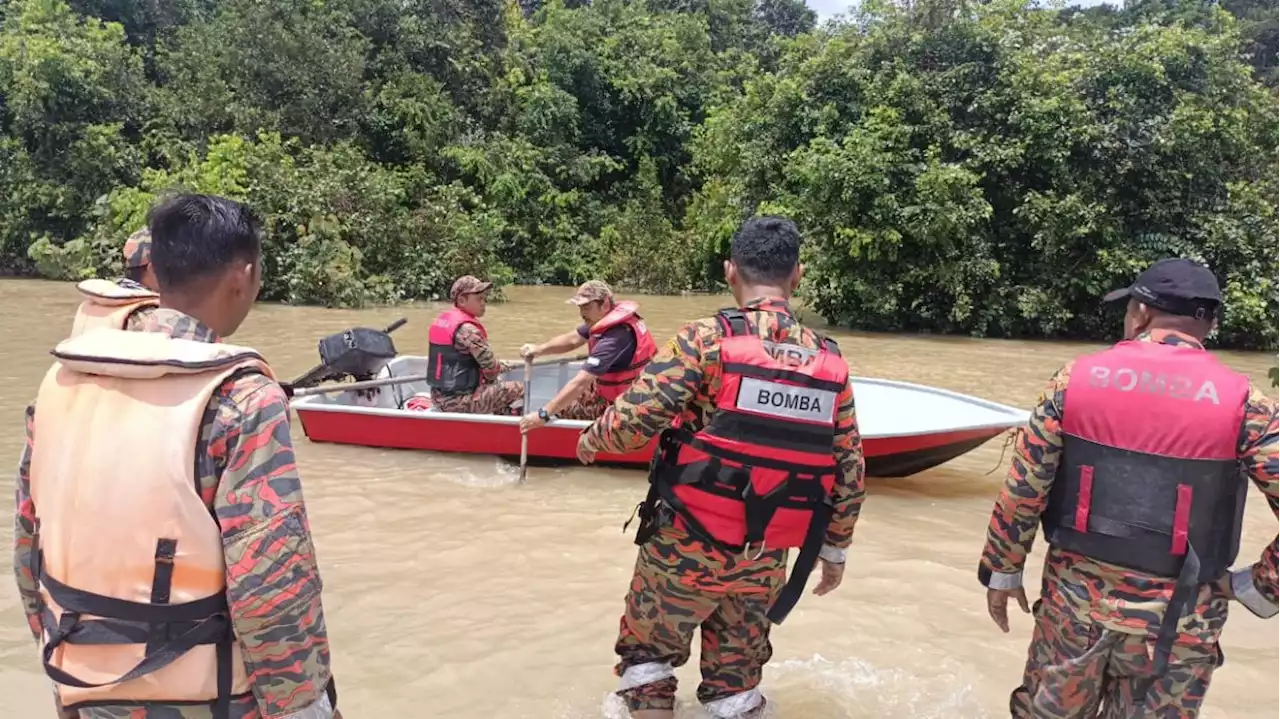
column 501, row 398
column 1077, row 669
column 681, row 582
column 681, row 586
column 1117, row 598
column 589, row 406
column 246, row 472
column 491, row 397
column 137, row 249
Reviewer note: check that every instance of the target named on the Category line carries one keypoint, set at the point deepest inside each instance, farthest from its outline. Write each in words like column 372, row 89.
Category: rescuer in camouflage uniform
column 245, row 472
column 470, row 295
column 681, row 584
column 1097, row 624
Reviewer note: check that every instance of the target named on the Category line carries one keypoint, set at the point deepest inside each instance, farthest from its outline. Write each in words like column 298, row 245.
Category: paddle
column 366, row 384
column 317, row 373
column 524, row 436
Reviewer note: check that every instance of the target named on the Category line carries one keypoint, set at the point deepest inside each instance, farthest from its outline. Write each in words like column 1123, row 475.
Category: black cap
column 1175, row 285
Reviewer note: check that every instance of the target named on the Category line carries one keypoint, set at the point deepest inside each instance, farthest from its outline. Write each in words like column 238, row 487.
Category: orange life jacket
column 762, row 469
column 109, row 304
column 130, row 562
column 613, row 383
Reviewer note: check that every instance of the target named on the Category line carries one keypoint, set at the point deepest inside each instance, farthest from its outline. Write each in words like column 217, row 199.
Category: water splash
column 855, row 688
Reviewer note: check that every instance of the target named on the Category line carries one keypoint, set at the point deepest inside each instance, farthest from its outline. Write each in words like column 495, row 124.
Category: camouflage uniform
column 246, row 473
column 588, row 406
column 492, row 396
column 1096, row 622
column 682, row 584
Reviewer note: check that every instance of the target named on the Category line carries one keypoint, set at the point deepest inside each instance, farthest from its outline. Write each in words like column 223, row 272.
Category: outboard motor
column 359, row 352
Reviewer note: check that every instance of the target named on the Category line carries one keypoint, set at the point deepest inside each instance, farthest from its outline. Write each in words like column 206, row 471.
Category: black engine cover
column 359, row 351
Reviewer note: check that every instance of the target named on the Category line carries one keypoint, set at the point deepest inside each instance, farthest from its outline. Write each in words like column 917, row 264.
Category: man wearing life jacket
column 619, row 345
column 461, row 368
column 760, row 453
column 1137, row 461
column 125, row 303
column 162, row 548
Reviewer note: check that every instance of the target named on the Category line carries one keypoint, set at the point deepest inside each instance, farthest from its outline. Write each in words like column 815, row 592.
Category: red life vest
column 762, row 469
column 1149, row 478
column 613, row 383
column 450, row 371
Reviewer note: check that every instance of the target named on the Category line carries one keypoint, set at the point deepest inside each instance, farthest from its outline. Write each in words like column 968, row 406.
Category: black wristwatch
column 542, row 415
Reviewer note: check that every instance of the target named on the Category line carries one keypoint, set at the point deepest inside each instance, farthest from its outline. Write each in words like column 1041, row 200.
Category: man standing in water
column 1137, row 460
column 460, row 364
column 125, row 303
column 148, row 598
column 766, row 457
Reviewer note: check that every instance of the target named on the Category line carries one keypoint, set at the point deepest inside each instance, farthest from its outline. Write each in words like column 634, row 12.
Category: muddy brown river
column 451, row 591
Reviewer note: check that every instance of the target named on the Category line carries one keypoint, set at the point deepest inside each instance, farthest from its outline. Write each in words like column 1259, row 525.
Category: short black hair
column 766, row 249
column 193, row 237
column 134, row 274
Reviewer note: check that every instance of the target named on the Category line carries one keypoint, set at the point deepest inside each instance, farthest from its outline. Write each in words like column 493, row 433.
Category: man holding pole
column 619, row 344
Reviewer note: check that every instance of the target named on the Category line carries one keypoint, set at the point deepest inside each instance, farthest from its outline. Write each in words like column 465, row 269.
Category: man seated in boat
column 620, row 346
column 461, row 368
column 126, row 302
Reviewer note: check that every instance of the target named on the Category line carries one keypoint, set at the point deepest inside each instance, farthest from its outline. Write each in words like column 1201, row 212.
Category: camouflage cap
column 591, row 291
column 137, row 249
column 467, row 285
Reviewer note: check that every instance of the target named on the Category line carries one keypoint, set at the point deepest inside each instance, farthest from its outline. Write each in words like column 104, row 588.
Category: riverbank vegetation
column 986, row 168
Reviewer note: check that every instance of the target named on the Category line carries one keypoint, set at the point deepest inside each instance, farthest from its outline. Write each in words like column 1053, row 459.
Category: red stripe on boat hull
column 886, row 457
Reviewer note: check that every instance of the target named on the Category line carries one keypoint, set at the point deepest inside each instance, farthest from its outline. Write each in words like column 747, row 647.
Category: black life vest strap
column 1183, row 600
column 778, row 374
column 806, row 560
column 664, row 476
column 670, row 447
column 168, row 630
column 734, row 322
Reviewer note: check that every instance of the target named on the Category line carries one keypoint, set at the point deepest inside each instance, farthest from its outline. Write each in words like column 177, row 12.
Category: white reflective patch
column 319, row 709
column 593, row 361
column 735, row 705
column 640, row 674
column 784, row 400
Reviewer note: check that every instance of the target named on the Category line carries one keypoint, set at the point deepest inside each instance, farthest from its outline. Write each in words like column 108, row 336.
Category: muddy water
column 452, row 592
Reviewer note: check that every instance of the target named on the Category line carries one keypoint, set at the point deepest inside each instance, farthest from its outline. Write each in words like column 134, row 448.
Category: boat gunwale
column 313, row 403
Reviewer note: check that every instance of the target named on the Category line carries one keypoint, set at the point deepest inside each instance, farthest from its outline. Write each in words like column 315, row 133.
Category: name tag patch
column 784, row 400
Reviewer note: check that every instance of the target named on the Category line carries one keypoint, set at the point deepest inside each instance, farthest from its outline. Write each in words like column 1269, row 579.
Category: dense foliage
column 989, row 168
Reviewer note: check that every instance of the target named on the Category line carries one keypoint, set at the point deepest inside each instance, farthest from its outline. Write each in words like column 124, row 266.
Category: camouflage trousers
column 504, row 398
column 680, row 587
column 589, row 406
column 1077, row 669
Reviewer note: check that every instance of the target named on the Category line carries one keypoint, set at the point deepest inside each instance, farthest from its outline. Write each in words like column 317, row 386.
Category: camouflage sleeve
column 666, row 386
column 848, row 493
column 468, row 339
column 24, row 534
column 1255, row 586
column 1014, row 520
column 273, row 582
